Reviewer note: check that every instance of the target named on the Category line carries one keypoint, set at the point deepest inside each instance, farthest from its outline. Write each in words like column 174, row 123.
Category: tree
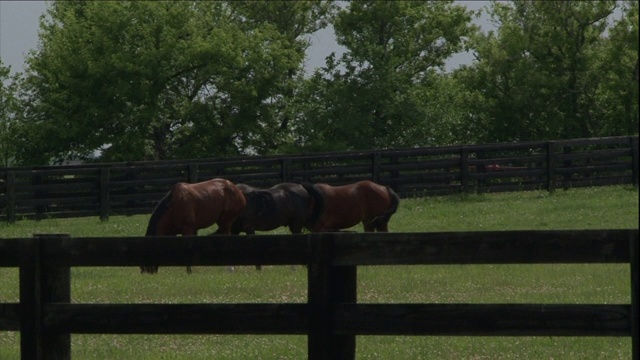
column 536, row 73
column 294, row 21
column 158, row 80
column 616, row 63
column 104, row 72
column 373, row 96
column 9, row 113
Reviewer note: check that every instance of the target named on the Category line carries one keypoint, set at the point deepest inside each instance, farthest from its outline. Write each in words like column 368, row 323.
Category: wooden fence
column 135, row 187
column 332, row 317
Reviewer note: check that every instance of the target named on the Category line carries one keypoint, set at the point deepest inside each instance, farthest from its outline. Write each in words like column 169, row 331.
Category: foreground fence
column 134, row 188
column 332, row 317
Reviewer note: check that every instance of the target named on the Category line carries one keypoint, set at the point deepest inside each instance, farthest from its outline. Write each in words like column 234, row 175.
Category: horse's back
column 284, row 204
column 378, row 197
column 291, row 197
column 348, row 205
column 208, row 202
column 297, row 205
column 341, row 209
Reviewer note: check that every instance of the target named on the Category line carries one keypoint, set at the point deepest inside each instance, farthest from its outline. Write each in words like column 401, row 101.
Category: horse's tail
column 318, row 204
column 159, row 210
column 395, row 201
column 393, row 207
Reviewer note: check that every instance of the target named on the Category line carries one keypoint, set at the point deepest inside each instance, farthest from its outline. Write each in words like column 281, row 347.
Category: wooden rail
column 134, row 188
column 332, row 317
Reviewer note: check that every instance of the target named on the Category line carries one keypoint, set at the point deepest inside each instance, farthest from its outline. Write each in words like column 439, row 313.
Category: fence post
column 39, row 194
column 193, row 173
column 375, row 166
column 30, row 306
column 395, row 173
column 567, row 163
column 327, row 286
column 634, row 248
column 306, row 166
column 40, row 285
column 11, row 196
column 55, row 288
column 285, row 170
column 464, row 169
column 551, row 164
column 635, row 159
column 104, row 193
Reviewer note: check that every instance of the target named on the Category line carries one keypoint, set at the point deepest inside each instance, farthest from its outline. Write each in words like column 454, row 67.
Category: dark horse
column 190, row 207
column 285, row 204
column 345, row 206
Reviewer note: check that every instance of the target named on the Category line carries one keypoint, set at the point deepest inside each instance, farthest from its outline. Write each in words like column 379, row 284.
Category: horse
column 345, row 206
column 186, row 208
column 285, row 204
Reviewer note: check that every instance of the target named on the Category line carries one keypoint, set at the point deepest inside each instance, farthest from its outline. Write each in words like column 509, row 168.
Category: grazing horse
column 347, row 205
column 189, row 207
column 285, row 204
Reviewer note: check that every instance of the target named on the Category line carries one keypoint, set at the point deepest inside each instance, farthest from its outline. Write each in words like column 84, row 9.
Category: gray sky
column 19, row 24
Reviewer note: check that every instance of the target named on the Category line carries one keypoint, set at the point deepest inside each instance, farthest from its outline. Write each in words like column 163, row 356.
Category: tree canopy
column 541, row 74
column 133, row 80
column 375, row 95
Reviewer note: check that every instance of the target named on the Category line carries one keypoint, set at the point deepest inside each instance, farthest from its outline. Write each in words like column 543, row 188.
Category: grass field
column 590, row 208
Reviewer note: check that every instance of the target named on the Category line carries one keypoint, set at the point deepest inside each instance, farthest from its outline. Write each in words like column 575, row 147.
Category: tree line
column 133, row 80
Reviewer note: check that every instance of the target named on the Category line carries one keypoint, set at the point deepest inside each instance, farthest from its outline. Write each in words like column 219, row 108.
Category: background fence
column 332, row 317
column 135, row 187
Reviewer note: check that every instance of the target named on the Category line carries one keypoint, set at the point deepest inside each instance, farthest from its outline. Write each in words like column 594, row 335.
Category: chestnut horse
column 189, row 207
column 285, row 204
column 345, row 206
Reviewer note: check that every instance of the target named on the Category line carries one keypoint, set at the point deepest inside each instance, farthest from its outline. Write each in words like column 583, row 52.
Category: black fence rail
column 134, row 188
column 332, row 318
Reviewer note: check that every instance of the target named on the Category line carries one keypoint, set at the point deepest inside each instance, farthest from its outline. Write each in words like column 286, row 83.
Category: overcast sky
column 19, row 23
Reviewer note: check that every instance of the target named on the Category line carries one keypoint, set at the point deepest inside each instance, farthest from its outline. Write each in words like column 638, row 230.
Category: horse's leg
column 224, row 228
column 252, row 232
column 189, row 232
column 295, row 229
column 161, row 231
column 369, row 226
column 148, row 269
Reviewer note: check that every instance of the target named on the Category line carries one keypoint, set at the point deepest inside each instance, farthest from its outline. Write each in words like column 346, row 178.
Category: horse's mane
column 159, row 210
column 318, row 206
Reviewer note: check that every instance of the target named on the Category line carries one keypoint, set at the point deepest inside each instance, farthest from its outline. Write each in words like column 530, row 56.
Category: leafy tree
column 103, row 72
column 287, row 25
column 374, row 95
column 536, row 73
column 157, row 80
column 9, row 115
column 616, row 66
column 294, row 21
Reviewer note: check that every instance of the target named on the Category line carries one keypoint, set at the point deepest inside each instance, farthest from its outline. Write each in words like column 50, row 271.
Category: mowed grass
column 591, row 208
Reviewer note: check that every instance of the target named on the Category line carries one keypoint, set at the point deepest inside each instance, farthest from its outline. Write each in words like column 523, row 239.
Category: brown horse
column 345, row 206
column 189, row 207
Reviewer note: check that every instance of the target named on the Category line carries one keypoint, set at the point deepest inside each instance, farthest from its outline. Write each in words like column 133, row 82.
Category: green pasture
column 590, row 208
